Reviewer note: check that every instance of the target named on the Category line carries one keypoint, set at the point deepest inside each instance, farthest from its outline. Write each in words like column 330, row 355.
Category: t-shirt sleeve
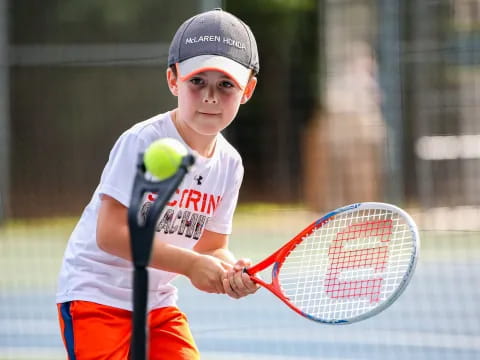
column 221, row 221
column 119, row 173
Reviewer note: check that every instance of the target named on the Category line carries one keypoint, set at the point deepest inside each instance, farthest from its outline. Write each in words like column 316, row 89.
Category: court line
column 364, row 337
column 228, row 355
column 54, row 354
column 37, row 353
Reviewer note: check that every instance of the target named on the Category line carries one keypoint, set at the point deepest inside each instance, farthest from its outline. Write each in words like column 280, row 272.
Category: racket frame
column 278, row 258
column 142, row 231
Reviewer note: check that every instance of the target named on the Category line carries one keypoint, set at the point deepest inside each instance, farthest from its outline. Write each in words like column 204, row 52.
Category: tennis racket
column 347, row 266
column 142, row 230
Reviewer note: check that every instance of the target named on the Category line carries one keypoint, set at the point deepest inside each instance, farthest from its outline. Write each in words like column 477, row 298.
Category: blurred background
column 358, row 100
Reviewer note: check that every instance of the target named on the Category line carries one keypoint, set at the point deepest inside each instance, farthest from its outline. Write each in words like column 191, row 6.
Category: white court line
column 364, row 337
column 29, row 327
column 247, row 356
column 410, row 339
column 15, row 353
column 358, row 337
column 59, row 354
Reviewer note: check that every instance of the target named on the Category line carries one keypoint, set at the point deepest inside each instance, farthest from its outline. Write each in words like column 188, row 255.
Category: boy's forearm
column 172, row 258
column 223, row 254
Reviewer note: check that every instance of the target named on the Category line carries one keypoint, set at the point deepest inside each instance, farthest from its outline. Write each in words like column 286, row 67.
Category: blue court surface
column 437, row 317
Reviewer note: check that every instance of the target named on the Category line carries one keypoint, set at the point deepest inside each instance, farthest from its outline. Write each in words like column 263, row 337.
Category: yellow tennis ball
column 163, row 157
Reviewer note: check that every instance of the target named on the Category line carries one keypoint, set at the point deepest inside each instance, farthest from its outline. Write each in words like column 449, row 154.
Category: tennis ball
column 163, row 157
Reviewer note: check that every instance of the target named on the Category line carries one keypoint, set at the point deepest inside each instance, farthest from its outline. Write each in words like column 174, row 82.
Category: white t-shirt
column 206, row 199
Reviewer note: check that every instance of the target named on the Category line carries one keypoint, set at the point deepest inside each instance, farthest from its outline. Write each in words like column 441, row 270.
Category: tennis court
column 437, row 317
column 357, row 100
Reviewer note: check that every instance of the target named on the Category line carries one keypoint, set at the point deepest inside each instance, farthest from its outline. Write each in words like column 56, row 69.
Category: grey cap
column 215, row 32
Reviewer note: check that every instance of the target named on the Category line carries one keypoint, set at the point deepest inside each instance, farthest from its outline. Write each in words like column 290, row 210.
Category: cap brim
column 239, row 73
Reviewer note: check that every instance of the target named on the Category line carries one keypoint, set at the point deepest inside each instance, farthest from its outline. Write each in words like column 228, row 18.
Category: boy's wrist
column 188, row 263
column 172, row 258
column 225, row 255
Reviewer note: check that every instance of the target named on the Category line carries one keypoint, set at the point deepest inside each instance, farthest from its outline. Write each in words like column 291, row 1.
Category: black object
column 142, row 230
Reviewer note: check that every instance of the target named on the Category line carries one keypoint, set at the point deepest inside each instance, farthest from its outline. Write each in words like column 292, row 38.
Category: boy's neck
column 203, row 145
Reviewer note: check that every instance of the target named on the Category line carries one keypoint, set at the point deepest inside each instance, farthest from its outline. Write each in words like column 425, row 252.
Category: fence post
column 390, row 78
column 4, row 112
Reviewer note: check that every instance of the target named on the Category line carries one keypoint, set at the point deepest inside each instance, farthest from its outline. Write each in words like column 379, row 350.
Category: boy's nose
column 210, row 100
column 210, row 97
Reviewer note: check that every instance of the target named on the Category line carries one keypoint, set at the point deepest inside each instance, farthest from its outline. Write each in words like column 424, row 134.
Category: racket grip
column 245, row 270
column 140, row 333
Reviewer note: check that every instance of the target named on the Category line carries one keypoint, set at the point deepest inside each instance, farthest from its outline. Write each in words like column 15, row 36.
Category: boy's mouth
column 208, row 113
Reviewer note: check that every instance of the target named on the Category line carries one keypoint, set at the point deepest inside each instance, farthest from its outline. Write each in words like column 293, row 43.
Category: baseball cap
column 215, row 40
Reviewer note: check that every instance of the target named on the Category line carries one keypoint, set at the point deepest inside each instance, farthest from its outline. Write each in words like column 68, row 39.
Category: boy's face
column 208, row 101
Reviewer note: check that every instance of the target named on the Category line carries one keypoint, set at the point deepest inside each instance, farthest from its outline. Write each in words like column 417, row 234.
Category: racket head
column 349, row 265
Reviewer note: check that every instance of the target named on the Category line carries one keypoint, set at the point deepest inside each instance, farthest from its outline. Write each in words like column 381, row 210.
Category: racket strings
column 349, row 265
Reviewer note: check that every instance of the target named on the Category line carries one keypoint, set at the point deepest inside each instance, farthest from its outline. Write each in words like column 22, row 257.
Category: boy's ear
column 172, row 82
column 249, row 89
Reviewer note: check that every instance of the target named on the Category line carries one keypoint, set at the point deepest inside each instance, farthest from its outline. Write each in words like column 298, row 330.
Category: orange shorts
column 94, row 331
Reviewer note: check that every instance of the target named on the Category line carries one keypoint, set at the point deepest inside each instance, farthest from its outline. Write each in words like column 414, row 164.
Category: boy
column 212, row 61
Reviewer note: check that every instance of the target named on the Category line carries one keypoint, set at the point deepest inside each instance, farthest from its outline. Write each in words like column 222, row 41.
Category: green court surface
column 31, row 251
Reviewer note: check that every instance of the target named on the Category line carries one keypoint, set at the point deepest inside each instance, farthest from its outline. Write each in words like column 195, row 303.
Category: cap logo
column 215, row 38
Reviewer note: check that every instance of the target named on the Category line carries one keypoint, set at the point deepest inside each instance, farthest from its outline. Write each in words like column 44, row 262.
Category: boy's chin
column 209, row 131
column 206, row 128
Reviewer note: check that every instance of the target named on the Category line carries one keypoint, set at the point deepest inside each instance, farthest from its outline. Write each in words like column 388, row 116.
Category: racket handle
column 140, row 333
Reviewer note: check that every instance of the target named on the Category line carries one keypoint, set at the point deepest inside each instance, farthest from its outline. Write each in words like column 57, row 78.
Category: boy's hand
column 207, row 273
column 237, row 283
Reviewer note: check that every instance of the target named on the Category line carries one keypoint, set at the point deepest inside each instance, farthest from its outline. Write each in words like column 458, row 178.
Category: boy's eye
column 227, row 84
column 196, row 81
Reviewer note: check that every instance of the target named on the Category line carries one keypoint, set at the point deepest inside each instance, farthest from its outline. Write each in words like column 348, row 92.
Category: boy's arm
column 113, row 236
column 236, row 282
column 215, row 244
